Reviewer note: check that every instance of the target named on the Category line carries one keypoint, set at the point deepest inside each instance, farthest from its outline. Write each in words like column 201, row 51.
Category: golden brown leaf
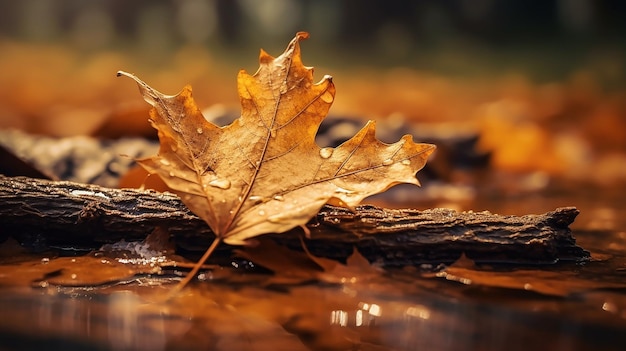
column 68, row 272
column 295, row 267
column 550, row 283
column 264, row 173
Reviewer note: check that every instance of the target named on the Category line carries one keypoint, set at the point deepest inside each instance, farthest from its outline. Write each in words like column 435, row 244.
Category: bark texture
column 44, row 214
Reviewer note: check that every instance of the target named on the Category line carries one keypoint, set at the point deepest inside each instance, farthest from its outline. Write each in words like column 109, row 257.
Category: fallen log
column 43, row 214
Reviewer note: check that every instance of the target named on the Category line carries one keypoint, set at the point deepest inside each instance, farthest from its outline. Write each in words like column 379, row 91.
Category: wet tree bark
column 44, row 214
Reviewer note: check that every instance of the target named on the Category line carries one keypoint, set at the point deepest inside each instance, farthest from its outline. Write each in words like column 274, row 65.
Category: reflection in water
column 417, row 311
column 364, row 316
column 398, row 310
column 218, row 317
column 126, row 324
column 339, row 317
column 120, row 320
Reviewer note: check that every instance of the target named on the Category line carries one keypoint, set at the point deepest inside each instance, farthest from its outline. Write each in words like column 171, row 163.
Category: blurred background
column 538, row 85
column 525, row 99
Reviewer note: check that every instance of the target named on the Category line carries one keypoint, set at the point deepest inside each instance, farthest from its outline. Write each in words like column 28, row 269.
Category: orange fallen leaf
column 264, row 173
column 295, row 267
column 68, row 272
column 550, row 283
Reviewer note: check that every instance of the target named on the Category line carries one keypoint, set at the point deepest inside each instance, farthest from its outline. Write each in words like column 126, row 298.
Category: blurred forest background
column 542, row 82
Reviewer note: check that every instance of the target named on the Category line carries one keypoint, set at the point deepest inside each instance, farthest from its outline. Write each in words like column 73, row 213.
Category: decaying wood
column 42, row 214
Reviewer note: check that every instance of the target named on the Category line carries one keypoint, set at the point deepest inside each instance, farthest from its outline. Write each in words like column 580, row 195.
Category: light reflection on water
column 129, row 329
column 393, row 312
column 308, row 317
column 365, row 315
column 116, row 322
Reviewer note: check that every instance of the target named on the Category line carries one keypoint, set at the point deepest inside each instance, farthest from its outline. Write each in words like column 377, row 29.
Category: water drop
column 220, row 183
column 261, row 213
column 273, row 219
column 171, row 174
column 199, row 130
column 272, row 133
column 340, row 190
column 387, row 162
column 279, row 198
column 256, row 199
column 406, row 162
column 73, row 276
column 327, row 97
column 164, row 162
column 326, row 152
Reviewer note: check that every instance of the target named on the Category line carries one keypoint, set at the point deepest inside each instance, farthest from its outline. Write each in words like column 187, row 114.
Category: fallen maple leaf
column 295, row 267
column 264, row 173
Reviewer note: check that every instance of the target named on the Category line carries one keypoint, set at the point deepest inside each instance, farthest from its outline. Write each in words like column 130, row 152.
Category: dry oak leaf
column 264, row 173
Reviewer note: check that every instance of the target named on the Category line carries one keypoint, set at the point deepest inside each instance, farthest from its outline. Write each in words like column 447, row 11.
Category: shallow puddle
column 98, row 302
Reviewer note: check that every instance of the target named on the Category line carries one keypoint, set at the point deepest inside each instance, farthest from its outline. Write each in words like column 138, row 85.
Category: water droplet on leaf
column 164, row 162
column 261, row 213
column 220, row 183
column 326, row 152
column 406, row 162
column 387, row 162
column 199, row 130
column 340, row 190
column 256, row 199
column 274, row 219
column 279, row 198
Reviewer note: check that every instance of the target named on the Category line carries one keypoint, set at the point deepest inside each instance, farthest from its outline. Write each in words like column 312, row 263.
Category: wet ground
column 99, row 302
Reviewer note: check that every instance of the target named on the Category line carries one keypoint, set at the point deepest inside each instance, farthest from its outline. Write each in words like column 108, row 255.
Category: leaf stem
column 195, row 268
